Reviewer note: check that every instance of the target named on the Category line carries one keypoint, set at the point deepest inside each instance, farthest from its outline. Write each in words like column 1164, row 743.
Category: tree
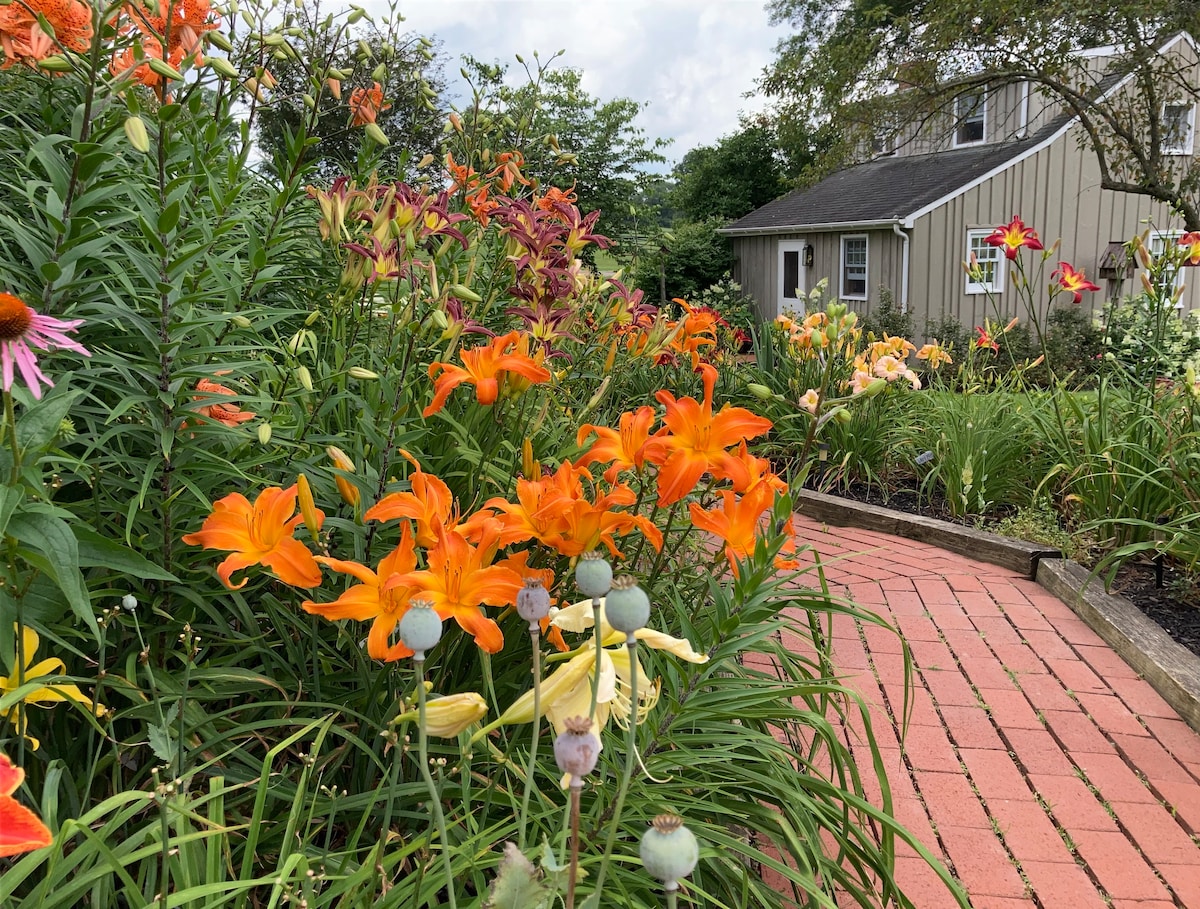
column 742, row 172
column 692, row 258
column 408, row 69
column 568, row 137
column 846, row 59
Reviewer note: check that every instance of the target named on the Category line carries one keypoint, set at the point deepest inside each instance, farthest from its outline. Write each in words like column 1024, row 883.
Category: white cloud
column 691, row 61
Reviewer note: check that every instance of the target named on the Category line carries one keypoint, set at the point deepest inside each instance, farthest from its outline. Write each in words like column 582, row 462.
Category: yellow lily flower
column 45, row 695
column 446, row 717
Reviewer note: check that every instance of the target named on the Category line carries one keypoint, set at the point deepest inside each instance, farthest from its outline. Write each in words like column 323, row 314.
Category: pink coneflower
column 21, row 332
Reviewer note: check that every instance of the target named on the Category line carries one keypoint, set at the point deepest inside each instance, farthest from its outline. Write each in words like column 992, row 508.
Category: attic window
column 1177, row 122
column 970, row 115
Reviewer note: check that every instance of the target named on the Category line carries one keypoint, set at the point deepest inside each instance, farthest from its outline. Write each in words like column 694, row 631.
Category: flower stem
column 534, row 638
column 434, row 799
column 671, row 891
column 630, row 758
column 599, row 657
column 573, row 865
column 10, row 419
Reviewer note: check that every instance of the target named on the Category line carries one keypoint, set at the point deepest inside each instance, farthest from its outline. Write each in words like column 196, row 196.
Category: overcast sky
column 690, row 60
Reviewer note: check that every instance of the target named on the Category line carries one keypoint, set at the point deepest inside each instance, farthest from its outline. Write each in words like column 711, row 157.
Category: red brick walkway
column 1037, row 764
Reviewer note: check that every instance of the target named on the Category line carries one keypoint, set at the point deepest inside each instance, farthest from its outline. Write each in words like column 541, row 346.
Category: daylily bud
column 379, row 73
column 164, row 69
column 348, row 490
column 295, row 343
column 876, row 386
column 760, row 391
column 304, row 377
column 135, row 132
column 216, row 38
column 313, row 518
column 440, row 319
column 55, row 63
column 311, row 319
column 529, row 467
column 240, row 321
column 267, row 80
column 357, row 372
column 335, row 87
column 264, row 433
column 463, row 292
column 447, row 717
column 376, row 134
column 310, row 102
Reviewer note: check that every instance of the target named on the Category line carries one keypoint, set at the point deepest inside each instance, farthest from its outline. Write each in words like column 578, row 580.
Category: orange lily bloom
column 429, row 504
column 1012, row 236
column 20, row 829
column 381, row 596
column 738, row 521
column 1191, row 254
column 1073, row 281
column 624, row 448
column 698, row 439
column 459, row 580
column 483, row 367
column 22, row 38
column 585, row 525
column 697, row 329
column 746, row 471
column 259, row 534
column 462, row 176
column 538, row 511
column 228, row 414
column 366, row 104
column 519, row 562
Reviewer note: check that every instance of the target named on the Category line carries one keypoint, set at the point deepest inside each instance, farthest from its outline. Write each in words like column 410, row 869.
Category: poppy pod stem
column 435, row 802
column 630, row 758
column 535, row 637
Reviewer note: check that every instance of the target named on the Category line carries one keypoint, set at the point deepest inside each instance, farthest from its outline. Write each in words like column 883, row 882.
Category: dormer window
column 970, row 116
column 1178, row 122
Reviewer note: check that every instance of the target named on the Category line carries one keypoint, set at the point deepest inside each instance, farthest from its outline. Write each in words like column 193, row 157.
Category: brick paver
column 1037, row 765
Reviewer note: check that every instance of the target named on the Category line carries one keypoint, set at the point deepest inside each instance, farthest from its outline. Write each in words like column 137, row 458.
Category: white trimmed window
column 1178, row 127
column 854, row 267
column 989, row 279
column 1159, row 241
column 970, row 118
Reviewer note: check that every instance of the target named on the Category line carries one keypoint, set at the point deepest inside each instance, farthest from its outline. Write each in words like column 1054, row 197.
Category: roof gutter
column 799, row 228
column 905, row 238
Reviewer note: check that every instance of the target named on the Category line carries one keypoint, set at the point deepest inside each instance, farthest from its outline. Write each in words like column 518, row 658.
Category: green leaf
column 38, row 425
column 10, row 498
column 98, row 551
column 517, row 885
column 55, row 553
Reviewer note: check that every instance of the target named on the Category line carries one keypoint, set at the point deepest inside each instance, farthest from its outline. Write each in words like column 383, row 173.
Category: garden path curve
column 1037, row 764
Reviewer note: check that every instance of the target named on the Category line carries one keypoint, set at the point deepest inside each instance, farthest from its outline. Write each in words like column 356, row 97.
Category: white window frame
column 785, row 303
column 959, row 119
column 1189, row 142
column 866, row 267
column 996, row 255
column 1159, row 241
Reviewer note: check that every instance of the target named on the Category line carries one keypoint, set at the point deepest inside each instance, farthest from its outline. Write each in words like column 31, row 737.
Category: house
column 903, row 223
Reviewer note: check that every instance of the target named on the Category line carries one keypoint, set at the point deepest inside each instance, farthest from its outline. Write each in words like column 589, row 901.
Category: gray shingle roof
column 887, row 189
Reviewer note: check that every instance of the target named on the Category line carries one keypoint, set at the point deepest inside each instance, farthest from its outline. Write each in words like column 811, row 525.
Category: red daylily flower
column 1012, row 236
column 985, row 340
column 258, row 534
column 1191, row 242
column 1073, row 281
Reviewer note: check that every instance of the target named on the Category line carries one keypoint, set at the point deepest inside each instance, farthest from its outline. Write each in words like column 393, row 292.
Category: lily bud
column 313, row 517
column 304, row 377
column 357, row 372
column 448, row 716
column 135, row 132
column 264, row 433
column 223, row 67
column 240, row 321
column 376, row 134
column 348, row 490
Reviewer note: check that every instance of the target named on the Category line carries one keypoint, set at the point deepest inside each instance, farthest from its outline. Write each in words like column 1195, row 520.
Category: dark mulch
column 1174, row 603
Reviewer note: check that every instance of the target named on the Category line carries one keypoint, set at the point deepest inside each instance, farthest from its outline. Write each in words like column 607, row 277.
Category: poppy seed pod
column 577, row 749
column 420, row 628
column 627, row 607
column 593, row 574
column 669, row 850
column 533, row 602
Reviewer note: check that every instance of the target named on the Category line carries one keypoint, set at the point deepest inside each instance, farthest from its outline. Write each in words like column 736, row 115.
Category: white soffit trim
column 802, row 228
column 909, row 220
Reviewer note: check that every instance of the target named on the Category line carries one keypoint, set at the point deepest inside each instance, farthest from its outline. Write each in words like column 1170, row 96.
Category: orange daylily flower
column 460, row 580
column 228, row 414
column 483, row 367
column 623, row 448
column 747, row 472
column 1073, row 281
column 738, row 521
column 698, row 439
column 1191, row 254
column 1012, row 236
column 259, row 534
column 519, row 562
column 697, row 329
column 381, row 596
column 935, row 354
column 429, row 505
column 366, row 104
column 537, row 513
column 462, row 176
column 20, row 829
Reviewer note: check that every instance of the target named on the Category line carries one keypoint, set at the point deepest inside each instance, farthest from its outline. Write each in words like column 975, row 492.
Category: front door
column 792, row 279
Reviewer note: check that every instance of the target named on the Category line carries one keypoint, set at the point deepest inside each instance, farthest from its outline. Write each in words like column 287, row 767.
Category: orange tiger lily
column 259, row 534
column 698, row 439
column 20, row 829
column 380, row 597
column 483, row 367
column 459, row 581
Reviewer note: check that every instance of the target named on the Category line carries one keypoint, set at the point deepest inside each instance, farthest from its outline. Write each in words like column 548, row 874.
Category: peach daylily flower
column 888, row 367
column 809, row 401
column 259, row 534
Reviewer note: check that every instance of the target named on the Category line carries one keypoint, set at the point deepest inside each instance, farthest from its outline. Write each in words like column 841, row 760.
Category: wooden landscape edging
column 1171, row 669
